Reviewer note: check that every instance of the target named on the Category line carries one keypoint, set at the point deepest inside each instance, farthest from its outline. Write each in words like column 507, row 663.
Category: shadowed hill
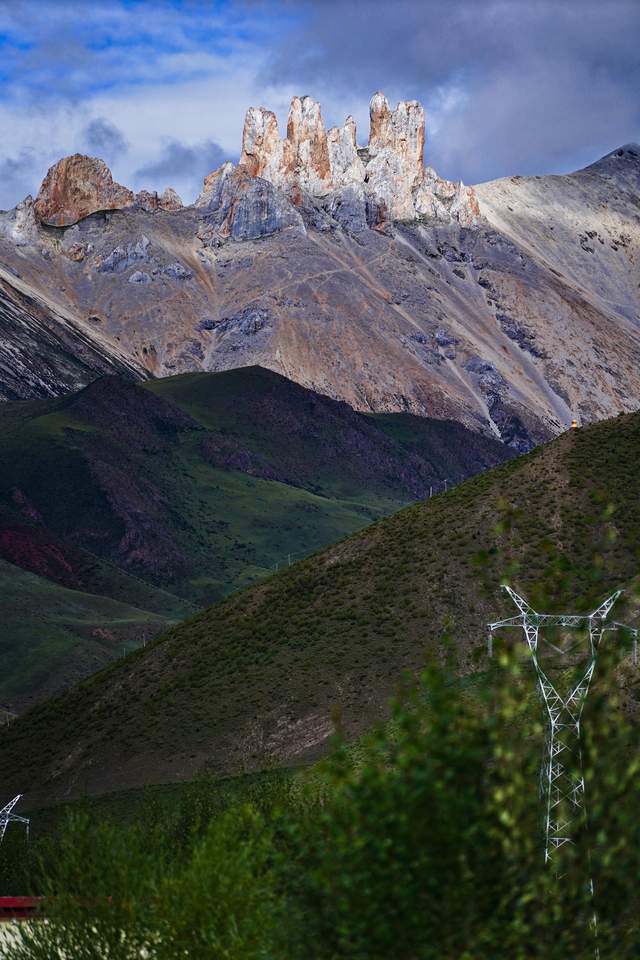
column 158, row 498
column 253, row 681
column 203, row 483
column 269, row 426
column 51, row 637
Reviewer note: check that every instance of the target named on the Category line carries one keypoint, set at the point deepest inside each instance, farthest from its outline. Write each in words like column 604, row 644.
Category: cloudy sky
column 158, row 88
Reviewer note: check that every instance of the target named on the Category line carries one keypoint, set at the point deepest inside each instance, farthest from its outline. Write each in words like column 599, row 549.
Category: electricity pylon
column 7, row 816
column 561, row 776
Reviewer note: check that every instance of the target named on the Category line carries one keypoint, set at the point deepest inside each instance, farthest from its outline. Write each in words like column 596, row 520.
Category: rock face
column 443, row 200
column 396, row 145
column 239, row 206
column 357, row 272
column 346, row 166
column 167, row 200
column 262, row 149
column 45, row 353
column 309, row 151
column 76, row 187
column 388, row 174
column 401, row 132
column 20, row 225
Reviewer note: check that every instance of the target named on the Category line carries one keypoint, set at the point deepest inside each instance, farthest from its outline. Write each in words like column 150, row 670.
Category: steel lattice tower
column 7, row 816
column 561, row 775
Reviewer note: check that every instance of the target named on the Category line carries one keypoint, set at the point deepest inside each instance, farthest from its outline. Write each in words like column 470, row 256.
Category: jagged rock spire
column 390, row 172
column 401, row 131
column 309, row 152
column 346, row 166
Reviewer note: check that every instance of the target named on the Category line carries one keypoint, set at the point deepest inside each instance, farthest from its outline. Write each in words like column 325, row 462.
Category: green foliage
column 421, row 843
column 114, row 492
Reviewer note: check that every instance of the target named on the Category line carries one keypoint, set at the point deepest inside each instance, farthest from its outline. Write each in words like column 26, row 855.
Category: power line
column 561, row 775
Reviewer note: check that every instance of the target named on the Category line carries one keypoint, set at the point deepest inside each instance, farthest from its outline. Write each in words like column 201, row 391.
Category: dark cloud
column 516, row 86
column 17, row 177
column 182, row 164
column 104, row 139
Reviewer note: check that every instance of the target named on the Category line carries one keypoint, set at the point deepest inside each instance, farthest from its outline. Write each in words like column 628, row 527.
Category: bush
column 422, row 842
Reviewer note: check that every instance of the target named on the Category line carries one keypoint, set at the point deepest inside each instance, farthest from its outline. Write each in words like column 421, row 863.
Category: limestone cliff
column 388, row 174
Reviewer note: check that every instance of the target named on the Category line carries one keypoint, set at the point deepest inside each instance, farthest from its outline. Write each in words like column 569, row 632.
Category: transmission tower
column 7, row 816
column 561, row 775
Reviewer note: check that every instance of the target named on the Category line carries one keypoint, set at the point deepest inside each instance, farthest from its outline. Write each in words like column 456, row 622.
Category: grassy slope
column 57, row 560
column 203, row 483
column 51, row 637
column 324, row 446
column 228, row 528
column 252, row 681
column 195, row 485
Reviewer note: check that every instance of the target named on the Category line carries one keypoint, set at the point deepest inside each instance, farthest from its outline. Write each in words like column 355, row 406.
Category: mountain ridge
column 506, row 320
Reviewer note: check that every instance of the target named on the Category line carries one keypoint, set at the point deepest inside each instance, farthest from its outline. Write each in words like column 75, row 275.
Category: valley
column 269, row 458
column 252, row 681
column 166, row 496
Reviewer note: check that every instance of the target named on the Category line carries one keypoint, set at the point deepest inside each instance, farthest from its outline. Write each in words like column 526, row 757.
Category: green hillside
column 253, row 681
column 204, row 483
column 51, row 637
column 172, row 495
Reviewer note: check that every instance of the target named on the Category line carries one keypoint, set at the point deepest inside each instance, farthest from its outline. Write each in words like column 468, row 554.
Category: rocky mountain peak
column 384, row 181
column 167, row 200
column 346, row 166
column 401, row 131
column 309, row 152
column 389, row 174
column 262, row 148
column 76, row 187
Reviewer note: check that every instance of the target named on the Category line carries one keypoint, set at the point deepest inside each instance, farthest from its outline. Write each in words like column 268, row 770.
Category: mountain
column 355, row 271
column 254, row 681
column 44, row 350
column 129, row 504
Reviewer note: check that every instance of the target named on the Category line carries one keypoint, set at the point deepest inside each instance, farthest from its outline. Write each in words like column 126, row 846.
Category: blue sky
column 159, row 88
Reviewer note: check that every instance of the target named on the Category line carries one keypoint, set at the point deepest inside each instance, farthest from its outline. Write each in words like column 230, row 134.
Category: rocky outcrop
column 212, row 183
column 346, row 166
column 262, row 149
column 308, row 150
column 384, row 181
column 239, row 206
column 402, row 132
column 388, row 175
column 20, row 225
column 167, row 200
column 76, row 187
column 444, row 200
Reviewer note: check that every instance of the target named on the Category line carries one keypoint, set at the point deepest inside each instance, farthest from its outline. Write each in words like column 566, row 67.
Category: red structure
column 19, row 908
